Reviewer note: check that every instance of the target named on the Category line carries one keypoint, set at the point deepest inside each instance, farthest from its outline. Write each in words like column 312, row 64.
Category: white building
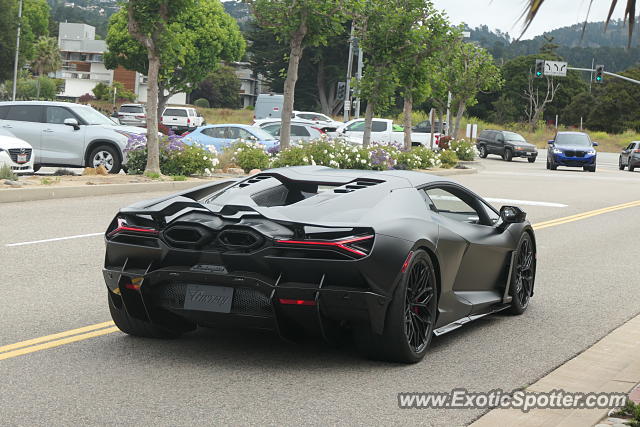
column 83, row 65
column 251, row 84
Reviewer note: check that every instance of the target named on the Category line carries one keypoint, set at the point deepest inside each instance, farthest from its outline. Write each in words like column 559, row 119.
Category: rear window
column 175, row 112
column 299, row 131
column 25, row 113
column 131, row 109
column 192, row 113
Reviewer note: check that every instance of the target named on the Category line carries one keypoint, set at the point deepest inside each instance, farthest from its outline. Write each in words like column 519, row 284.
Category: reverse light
column 123, row 227
column 284, row 301
column 349, row 244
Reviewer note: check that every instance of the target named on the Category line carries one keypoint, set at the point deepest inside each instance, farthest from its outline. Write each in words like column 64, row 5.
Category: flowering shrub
column 464, row 150
column 249, row 155
column 444, row 141
column 448, row 159
column 176, row 158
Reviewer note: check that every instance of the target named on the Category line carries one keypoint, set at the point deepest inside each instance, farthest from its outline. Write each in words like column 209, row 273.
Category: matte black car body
column 506, row 145
column 311, row 250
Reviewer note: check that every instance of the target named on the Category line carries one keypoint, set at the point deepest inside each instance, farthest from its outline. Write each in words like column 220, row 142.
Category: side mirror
column 72, row 122
column 595, row 144
column 512, row 215
column 551, row 141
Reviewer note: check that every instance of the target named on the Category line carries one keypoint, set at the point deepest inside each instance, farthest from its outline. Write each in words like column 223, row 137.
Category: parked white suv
column 182, row 119
column 67, row 134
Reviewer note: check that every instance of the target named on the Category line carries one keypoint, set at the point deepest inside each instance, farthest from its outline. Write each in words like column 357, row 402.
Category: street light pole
column 15, row 65
column 359, row 77
column 347, row 97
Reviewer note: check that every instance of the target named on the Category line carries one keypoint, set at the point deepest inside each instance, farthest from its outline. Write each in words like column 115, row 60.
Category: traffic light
column 342, row 91
column 539, row 68
column 599, row 77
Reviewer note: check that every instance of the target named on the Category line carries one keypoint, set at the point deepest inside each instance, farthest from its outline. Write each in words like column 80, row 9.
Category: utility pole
column 15, row 65
column 448, row 117
column 347, row 98
column 359, row 77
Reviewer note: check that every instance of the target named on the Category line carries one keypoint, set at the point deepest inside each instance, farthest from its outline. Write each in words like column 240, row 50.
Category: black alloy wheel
column 482, row 152
column 523, row 275
column 420, row 307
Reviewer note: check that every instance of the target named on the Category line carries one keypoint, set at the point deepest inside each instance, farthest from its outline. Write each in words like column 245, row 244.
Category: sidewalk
column 610, row 365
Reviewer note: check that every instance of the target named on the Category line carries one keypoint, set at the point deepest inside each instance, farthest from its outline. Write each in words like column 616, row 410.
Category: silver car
column 66, row 134
column 133, row 115
column 300, row 132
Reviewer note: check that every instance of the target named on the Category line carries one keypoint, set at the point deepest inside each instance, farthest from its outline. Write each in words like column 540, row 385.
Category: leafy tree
column 46, row 56
column 35, row 23
column 617, row 105
column 43, row 87
column 220, row 89
column 300, row 23
column 431, row 34
column 175, row 43
column 104, row 92
column 197, row 39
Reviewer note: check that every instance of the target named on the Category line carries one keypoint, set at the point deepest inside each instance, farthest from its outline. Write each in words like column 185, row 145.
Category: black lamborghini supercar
column 395, row 257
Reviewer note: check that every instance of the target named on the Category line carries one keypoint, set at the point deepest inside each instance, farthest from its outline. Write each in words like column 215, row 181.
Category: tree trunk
column 153, row 146
column 461, row 109
column 441, row 120
column 408, row 108
column 290, row 84
column 368, row 120
column 325, row 103
column 162, row 100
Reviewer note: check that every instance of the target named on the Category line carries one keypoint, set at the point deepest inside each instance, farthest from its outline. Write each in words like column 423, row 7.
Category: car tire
column 523, row 275
column 631, row 167
column 508, row 155
column 620, row 165
column 591, row 168
column 482, row 152
column 553, row 166
column 548, row 164
column 107, row 156
column 36, row 168
column 136, row 327
column 531, row 159
column 399, row 343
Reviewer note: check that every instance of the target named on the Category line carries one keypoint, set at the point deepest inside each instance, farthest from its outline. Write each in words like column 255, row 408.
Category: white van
column 268, row 106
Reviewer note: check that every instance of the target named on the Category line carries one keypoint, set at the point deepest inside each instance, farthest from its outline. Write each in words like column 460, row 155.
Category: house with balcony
column 252, row 84
column 83, row 65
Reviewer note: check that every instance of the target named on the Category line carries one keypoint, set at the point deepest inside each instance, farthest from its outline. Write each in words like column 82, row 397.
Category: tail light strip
column 341, row 244
column 123, row 226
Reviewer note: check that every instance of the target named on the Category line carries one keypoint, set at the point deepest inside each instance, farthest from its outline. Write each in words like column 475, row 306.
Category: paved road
column 586, row 287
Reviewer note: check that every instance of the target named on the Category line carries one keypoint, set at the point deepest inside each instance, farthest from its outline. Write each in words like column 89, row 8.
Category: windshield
column 92, row 117
column 512, row 136
column 262, row 135
column 579, row 139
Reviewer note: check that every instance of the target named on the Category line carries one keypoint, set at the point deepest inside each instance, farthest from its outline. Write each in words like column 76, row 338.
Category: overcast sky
column 505, row 14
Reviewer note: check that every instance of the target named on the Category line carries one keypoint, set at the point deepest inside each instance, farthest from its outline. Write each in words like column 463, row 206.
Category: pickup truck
column 383, row 131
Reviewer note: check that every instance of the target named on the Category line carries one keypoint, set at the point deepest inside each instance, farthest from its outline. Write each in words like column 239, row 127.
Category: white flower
column 205, row 158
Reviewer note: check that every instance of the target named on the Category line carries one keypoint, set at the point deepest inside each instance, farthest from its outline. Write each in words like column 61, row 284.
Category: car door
column 354, row 130
column 62, row 144
column 468, row 229
column 499, row 143
column 25, row 122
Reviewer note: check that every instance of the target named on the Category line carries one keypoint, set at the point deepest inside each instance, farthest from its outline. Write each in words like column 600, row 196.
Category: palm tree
column 46, row 56
column 533, row 7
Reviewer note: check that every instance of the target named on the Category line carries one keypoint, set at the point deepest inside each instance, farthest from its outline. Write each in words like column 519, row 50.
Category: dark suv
column 506, row 145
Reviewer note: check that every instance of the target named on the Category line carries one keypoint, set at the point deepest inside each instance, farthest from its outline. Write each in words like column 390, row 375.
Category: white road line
column 525, row 202
column 79, row 236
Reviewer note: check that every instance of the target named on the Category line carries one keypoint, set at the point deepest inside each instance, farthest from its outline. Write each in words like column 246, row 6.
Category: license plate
column 215, row 299
column 174, row 127
column 22, row 158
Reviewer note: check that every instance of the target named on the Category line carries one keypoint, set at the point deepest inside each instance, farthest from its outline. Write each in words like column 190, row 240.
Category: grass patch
column 49, row 181
column 7, row 173
column 152, row 175
column 179, row 178
column 215, row 116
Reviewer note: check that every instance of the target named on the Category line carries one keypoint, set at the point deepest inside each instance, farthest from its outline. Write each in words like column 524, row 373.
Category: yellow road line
column 584, row 215
column 99, row 329
column 57, row 343
column 54, row 336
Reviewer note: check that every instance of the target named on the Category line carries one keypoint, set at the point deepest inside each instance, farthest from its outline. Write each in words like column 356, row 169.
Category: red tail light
column 188, row 121
column 141, row 116
column 636, row 151
column 319, row 130
column 124, row 227
column 186, row 133
column 348, row 245
column 296, row 302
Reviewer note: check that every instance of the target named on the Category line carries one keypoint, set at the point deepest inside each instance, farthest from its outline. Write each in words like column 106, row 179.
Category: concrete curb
column 10, row 195
column 610, row 365
column 45, row 193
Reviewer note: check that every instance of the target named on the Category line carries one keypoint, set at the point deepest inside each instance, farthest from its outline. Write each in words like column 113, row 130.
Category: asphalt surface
column 586, row 286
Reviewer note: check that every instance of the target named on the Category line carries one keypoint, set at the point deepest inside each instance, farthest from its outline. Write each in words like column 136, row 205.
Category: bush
column 249, row 155
column 7, row 173
column 428, row 158
column 292, row 156
column 465, row 151
column 86, row 98
column 201, row 103
column 176, row 157
column 443, row 142
column 448, row 159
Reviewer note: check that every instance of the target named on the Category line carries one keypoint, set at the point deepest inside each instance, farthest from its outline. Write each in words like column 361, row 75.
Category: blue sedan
column 222, row 136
